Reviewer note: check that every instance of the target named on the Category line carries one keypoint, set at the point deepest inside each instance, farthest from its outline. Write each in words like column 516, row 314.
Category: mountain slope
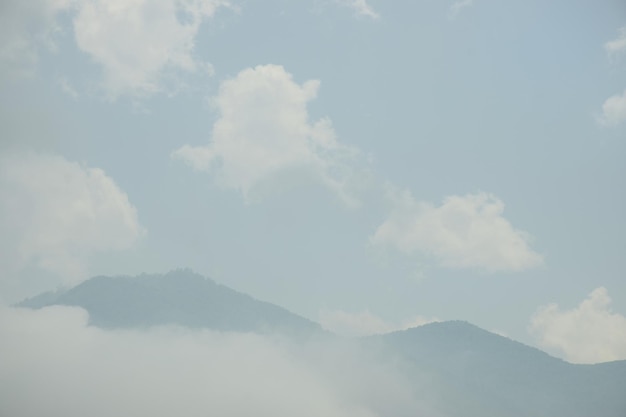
column 484, row 374
column 179, row 297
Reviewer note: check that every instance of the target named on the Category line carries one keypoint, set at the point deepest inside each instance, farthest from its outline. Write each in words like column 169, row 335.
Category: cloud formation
column 141, row 46
column 53, row 364
column 464, row 232
column 137, row 42
column 617, row 45
column 364, row 323
column 264, row 140
column 613, row 111
column 589, row 333
column 54, row 214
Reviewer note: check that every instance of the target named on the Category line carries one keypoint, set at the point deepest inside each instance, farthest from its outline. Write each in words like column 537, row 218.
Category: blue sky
column 370, row 165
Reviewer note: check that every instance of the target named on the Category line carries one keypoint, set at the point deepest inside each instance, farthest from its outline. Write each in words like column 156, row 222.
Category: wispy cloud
column 361, row 8
column 458, row 6
column 364, row 323
column 68, row 88
column 617, row 45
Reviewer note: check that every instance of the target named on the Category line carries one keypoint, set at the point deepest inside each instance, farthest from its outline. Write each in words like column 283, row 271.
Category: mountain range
column 465, row 370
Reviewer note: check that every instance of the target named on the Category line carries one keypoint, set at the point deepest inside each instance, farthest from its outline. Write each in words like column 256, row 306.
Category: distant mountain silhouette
column 179, row 297
column 463, row 370
column 476, row 373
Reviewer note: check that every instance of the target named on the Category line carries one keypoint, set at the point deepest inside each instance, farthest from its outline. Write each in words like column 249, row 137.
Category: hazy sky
column 370, row 165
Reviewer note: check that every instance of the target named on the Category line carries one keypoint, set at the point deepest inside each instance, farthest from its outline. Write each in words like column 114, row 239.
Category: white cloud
column 137, row 41
column 264, row 140
column 613, row 111
column 361, row 8
column 364, row 323
column 142, row 46
column 458, row 6
column 618, row 44
column 589, row 333
column 464, row 232
column 54, row 214
column 53, row 364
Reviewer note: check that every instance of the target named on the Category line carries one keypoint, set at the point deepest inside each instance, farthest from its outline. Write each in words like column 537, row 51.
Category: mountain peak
column 179, row 297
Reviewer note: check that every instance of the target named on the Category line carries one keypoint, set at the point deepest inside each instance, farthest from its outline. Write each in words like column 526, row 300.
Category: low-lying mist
column 52, row 363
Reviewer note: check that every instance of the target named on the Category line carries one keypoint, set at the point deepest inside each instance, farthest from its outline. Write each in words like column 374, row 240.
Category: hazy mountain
column 179, row 297
column 475, row 373
column 462, row 370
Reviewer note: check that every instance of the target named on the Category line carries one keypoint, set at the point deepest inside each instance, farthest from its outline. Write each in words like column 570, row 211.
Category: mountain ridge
column 489, row 374
column 179, row 297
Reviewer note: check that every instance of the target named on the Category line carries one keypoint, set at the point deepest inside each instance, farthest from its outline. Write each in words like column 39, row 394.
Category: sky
column 368, row 165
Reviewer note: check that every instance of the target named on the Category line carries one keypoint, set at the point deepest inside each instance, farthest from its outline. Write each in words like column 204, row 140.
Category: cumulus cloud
column 264, row 139
column 26, row 26
column 52, row 363
column 613, row 111
column 142, row 46
column 136, row 41
column 464, row 232
column 55, row 213
column 361, row 8
column 589, row 333
column 617, row 45
column 364, row 323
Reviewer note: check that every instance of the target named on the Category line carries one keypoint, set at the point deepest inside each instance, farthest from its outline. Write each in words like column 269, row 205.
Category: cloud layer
column 74, row 370
column 464, row 232
column 264, row 140
column 54, row 214
column 589, row 333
